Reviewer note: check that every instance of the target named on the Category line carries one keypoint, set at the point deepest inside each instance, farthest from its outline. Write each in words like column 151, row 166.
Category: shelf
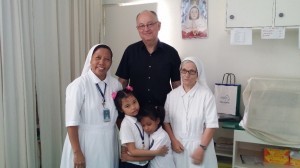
column 224, row 146
column 257, row 154
column 243, row 136
column 223, row 150
column 240, row 164
column 224, row 162
column 247, row 145
column 223, row 153
column 232, row 125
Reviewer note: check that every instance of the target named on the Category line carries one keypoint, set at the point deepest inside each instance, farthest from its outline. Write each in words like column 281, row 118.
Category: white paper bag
column 227, row 95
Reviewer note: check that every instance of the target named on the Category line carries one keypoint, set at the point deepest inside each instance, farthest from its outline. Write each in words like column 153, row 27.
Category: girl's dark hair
column 103, row 46
column 124, row 93
column 153, row 112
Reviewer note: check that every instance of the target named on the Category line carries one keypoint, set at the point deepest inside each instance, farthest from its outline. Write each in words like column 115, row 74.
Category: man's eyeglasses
column 190, row 72
column 143, row 26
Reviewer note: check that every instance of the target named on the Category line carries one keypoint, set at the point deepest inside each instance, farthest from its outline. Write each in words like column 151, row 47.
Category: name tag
column 106, row 115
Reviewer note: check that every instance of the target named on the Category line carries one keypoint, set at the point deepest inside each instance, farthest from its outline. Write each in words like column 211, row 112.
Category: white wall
column 270, row 58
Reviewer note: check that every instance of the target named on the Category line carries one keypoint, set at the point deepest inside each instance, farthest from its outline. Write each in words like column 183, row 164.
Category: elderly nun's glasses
column 190, row 72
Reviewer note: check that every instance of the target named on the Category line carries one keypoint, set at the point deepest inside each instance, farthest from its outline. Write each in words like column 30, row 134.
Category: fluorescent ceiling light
column 137, row 2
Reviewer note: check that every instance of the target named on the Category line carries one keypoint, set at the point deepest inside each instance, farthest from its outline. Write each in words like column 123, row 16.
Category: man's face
column 148, row 26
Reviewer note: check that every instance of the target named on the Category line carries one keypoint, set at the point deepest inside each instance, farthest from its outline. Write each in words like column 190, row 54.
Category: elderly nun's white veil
column 200, row 69
column 87, row 64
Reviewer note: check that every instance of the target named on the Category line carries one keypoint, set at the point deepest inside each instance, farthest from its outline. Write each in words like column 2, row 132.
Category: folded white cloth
column 272, row 110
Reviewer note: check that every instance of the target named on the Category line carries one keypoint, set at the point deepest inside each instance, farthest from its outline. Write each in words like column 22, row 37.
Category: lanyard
column 151, row 144
column 141, row 134
column 102, row 93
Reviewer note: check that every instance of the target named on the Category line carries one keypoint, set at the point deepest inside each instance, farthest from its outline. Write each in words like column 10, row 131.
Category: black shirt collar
column 158, row 46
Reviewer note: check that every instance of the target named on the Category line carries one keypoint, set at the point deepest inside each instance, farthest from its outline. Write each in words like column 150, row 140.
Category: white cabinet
column 249, row 13
column 287, row 13
column 246, row 144
column 262, row 13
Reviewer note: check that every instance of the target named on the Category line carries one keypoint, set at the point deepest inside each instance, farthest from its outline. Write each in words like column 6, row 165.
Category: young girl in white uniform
column 151, row 118
column 134, row 141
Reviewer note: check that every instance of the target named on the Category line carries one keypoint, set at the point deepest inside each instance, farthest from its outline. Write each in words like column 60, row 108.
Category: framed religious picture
column 194, row 19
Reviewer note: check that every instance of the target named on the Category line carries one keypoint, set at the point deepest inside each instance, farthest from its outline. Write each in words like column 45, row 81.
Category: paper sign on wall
column 273, row 33
column 241, row 36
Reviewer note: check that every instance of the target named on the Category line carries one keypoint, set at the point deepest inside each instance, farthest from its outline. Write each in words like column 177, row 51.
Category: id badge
column 106, row 115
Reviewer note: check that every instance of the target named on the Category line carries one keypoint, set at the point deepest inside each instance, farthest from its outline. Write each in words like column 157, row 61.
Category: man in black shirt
column 151, row 67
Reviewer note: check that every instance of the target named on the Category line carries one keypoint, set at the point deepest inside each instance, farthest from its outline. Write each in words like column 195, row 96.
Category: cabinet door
column 287, row 13
column 249, row 13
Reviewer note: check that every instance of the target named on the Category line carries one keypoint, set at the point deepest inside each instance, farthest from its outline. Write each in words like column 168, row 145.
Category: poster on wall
column 194, row 19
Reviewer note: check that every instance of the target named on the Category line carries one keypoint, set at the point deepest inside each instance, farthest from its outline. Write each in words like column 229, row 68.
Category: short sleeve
column 123, row 68
column 159, row 141
column 211, row 117
column 126, row 134
column 167, row 110
column 175, row 73
column 74, row 102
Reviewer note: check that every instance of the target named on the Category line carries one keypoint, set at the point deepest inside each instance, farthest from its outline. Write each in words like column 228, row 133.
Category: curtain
column 18, row 145
column 43, row 45
column 62, row 42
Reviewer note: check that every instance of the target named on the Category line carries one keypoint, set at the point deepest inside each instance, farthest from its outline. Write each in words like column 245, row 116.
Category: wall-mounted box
column 257, row 13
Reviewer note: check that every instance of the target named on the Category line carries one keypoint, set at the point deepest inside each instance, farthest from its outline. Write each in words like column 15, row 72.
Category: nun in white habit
column 191, row 118
column 91, row 115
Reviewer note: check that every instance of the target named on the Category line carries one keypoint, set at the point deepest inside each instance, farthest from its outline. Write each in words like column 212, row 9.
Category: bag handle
column 229, row 77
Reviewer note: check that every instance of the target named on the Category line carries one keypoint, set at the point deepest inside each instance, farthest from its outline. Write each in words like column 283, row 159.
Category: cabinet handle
column 281, row 15
column 231, row 16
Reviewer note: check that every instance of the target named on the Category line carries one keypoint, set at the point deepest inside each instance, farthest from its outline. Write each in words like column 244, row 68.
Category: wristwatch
column 203, row 147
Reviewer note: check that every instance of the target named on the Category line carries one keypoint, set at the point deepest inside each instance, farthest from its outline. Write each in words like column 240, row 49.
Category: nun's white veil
column 200, row 69
column 87, row 64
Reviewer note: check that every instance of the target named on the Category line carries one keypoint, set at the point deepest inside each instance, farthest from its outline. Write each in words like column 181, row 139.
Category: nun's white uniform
column 189, row 114
column 84, row 109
